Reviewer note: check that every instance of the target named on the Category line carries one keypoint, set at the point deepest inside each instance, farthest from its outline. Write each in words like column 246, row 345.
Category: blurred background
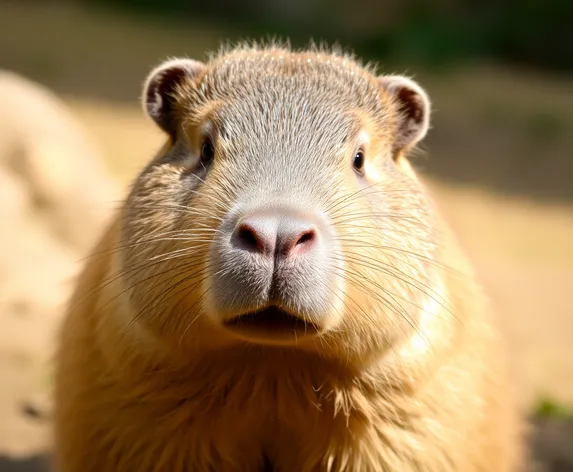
column 499, row 160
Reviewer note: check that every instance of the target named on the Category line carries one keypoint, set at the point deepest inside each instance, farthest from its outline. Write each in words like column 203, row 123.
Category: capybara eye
column 207, row 152
column 358, row 161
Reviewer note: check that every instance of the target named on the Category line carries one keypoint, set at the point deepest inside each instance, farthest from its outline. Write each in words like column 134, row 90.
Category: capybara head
column 282, row 210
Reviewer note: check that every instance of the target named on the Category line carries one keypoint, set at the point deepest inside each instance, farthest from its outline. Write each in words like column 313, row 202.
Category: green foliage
column 546, row 127
column 547, row 408
column 531, row 32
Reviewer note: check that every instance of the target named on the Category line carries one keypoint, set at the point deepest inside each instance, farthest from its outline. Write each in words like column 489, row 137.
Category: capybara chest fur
column 278, row 292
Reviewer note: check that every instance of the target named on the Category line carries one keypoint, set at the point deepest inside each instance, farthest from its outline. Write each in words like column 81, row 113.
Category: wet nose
column 275, row 236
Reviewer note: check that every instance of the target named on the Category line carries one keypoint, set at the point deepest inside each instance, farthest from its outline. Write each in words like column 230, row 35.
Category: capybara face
column 282, row 210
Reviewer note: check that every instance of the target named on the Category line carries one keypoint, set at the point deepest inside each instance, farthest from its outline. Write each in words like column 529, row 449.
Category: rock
column 44, row 145
column 55, row 197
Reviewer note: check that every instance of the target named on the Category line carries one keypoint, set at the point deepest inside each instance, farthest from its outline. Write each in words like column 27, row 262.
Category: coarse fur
column 405, row 371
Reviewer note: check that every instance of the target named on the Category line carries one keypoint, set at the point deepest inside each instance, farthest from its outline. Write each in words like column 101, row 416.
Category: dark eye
column 207, row 152
column 358, row 161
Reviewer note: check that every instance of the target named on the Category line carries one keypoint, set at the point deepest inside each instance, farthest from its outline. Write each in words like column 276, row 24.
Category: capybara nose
column 275, row 236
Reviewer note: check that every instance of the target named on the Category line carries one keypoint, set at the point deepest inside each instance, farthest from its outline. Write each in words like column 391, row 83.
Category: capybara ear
column 160, row 91
column 413, row 107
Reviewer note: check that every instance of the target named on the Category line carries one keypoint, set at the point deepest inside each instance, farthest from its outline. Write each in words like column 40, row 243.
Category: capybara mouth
column 271, row 322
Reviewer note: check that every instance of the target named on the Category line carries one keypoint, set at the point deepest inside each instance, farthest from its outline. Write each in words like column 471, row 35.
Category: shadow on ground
column 38, row 463
column 551, row 443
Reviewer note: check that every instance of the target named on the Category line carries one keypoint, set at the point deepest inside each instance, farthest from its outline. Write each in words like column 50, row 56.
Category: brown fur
column 142, row 387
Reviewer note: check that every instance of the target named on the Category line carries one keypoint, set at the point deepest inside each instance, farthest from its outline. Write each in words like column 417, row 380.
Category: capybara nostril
column 290, row 243
column 277, row 235
column 256, row 236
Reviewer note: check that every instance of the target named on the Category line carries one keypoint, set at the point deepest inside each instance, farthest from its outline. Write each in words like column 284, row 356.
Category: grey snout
column 275, row 236
column 274, row 255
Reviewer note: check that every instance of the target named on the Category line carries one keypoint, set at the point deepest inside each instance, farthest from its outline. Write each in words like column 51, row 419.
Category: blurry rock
column 43, row 144
column 54, row 199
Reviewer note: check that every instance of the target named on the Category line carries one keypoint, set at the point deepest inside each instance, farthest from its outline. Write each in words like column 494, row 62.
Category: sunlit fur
column 408, row 373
